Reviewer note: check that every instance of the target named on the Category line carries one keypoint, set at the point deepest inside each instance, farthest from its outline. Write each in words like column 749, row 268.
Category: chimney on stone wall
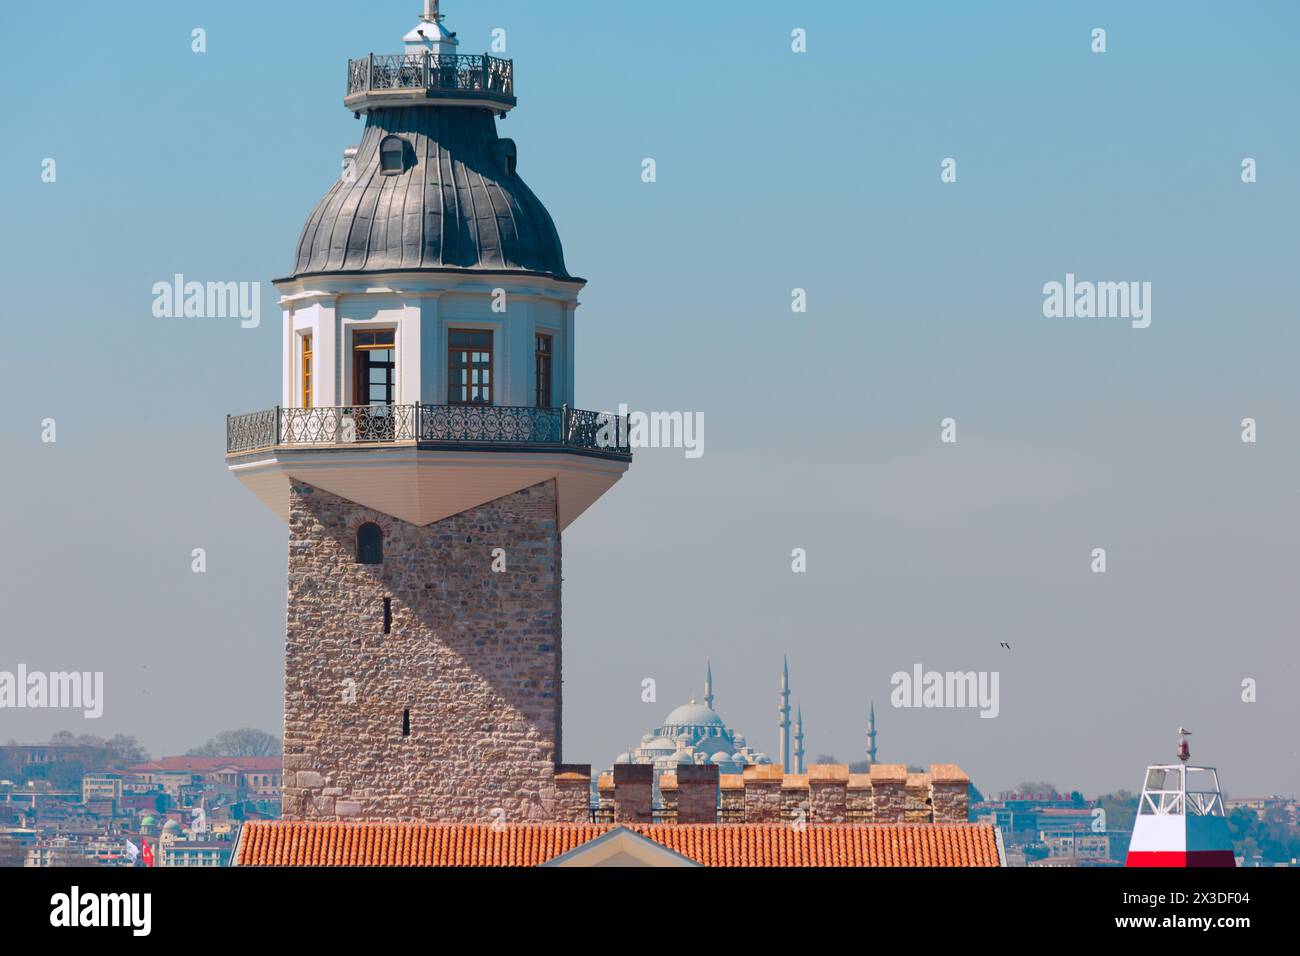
column 828, row 785
column 889, row 792
column 731, row 798
column 857, row 801
column 763, row 793
column 919, row 808
column 633, row 792
column 949, row 793
column 573, row 792
column 697, row 793
column 668, row 797
column 794, row 797
column 605, row 798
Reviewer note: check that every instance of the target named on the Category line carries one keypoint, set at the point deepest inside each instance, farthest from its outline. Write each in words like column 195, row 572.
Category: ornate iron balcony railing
column 432, row 71
column 562, row 427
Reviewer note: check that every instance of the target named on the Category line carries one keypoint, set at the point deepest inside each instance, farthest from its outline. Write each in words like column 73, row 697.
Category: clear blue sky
column 775, row 170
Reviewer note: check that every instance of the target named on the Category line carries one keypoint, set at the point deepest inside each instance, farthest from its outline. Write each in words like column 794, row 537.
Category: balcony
column 379, row 80
column 489, row 427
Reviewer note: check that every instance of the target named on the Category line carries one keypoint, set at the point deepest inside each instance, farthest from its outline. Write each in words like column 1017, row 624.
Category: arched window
column 370, row 544
column 392, row 155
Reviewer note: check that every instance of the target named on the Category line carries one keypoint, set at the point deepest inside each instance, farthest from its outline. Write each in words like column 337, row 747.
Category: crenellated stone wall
column 573, row 793
column 827, row 793
column 697, row 793
column 472, row 658
column 763, row 793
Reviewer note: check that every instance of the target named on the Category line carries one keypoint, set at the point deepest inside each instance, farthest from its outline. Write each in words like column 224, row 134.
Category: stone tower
column 426, row 457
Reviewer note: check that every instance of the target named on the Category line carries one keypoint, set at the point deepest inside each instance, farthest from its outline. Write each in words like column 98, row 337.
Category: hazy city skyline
column 776, row 171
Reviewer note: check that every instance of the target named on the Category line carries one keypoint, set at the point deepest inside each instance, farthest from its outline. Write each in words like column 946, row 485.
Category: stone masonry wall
column 473, row 655
column 697, row 794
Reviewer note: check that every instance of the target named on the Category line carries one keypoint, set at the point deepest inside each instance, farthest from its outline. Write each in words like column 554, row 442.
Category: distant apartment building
column 42, row 808
column 233, row 778
column 102, row 786
column 1076, row 848
column 197, row 853
column 1024, row 818
column 1064, row 844
column 1053, row 819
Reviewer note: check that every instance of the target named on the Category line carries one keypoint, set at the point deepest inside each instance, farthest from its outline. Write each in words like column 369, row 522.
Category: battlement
column 764, row 793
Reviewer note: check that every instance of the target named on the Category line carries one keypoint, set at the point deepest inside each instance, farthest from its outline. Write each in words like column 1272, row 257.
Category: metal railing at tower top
column 432, row 71
column 506, row 425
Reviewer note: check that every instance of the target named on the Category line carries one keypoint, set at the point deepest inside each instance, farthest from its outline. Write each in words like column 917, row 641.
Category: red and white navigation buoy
column 1180, row 819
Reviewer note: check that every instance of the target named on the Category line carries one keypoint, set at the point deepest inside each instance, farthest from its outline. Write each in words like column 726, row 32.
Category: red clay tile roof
column 281, row 843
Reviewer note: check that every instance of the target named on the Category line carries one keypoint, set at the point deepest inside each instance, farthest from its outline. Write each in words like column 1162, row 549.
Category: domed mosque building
column 694, row 733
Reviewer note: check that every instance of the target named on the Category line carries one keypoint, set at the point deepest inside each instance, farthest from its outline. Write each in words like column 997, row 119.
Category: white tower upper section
column 428, row 334
column 430, row 35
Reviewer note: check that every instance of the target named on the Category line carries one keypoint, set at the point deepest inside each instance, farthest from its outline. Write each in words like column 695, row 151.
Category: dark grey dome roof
column 458, row 204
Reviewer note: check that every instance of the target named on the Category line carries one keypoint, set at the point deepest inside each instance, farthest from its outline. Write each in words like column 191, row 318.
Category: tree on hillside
column 120, row 751
column 1121, row 809
column 1269, row 835
column 245, row 742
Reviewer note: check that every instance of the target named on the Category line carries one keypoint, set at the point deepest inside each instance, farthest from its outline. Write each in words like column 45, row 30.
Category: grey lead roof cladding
column 454, row 208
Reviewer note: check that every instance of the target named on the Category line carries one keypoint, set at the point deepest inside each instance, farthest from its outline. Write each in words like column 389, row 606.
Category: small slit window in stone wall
column 406, row 723
column 388, row 615
column 370, row 544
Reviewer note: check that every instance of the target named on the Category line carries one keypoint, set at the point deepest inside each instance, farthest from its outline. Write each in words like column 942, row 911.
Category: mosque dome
column 693, row 734
column 693, row 715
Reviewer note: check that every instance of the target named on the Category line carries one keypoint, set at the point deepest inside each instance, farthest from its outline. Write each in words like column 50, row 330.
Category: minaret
column 426, row 456
column 708, row 685
column 871, row 735
column 798, row 738
column 785, row 714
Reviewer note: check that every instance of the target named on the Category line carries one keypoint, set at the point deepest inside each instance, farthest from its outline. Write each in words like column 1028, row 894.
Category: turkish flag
column 147, row 853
